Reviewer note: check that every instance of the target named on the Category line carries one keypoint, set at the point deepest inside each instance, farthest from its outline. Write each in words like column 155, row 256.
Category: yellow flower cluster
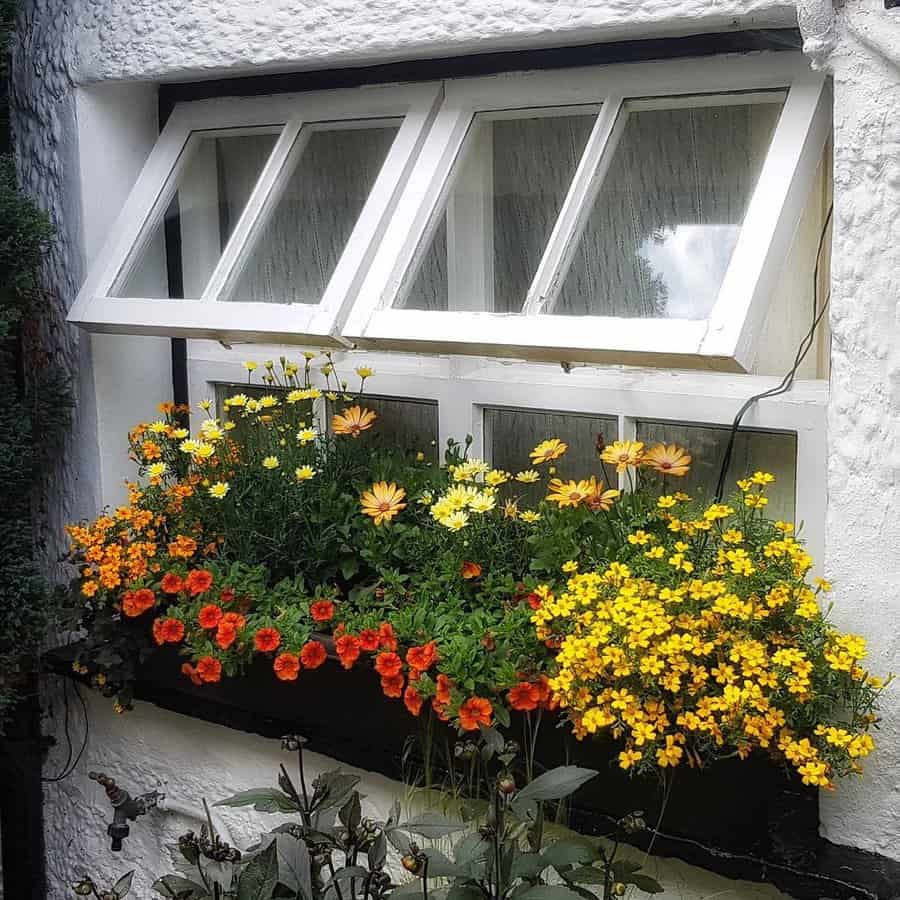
column 691, row 648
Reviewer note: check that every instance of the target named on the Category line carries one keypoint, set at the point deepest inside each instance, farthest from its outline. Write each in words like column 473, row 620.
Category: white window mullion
column 576, row 208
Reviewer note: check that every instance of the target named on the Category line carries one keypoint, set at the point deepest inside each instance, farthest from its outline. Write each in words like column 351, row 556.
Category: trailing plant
column 693, row 623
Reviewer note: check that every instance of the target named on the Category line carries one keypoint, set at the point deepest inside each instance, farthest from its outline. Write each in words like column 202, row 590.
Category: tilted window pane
column 766, row 451
column 508, row 187
column 511, row 434
column 211, row 195
column 668, row 214
column 298, row 248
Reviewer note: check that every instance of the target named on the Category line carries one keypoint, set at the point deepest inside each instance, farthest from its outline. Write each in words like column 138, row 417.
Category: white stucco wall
column 80, row 149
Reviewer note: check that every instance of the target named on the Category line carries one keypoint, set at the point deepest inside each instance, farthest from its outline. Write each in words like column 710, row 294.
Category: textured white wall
column 78, row 157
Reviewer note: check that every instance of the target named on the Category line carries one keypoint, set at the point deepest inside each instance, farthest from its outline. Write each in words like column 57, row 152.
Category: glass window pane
column 211, row 196
column 508, row 188
column 297, row 250
column 768, row 451
column 663, row 227
column 511, row 434
column 405, row 424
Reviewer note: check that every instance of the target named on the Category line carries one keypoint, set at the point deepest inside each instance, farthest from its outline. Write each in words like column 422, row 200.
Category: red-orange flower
column 413, row 700
column 209, row 616
column 534, row 600
column 191, row 672
column 198, row 581
column 474, row 712
column 235, row 620
column 134, row 603
column 286, row 666
column 422, row 658
column 226, row 596
column 470, row 570
column 209, row 669
column 313, row 654
column 443, row 686
column 172, row 583
column 388, row 665
column 369, row 639
column 546, row 697
column 322, row 610
column 440, row 709
column 524, row 696
column 266, row 639
column 347, row 647
column 168, row 631
column 392, row 686
column 386, row 636
column 226, row 634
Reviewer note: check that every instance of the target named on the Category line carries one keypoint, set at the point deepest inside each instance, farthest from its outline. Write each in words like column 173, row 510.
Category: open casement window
column 257, row 217
column 636, row 213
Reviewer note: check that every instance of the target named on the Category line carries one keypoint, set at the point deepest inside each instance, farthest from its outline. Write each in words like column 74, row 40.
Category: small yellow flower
column 762, row 478
column 304, row 473
column 188, row 446
column 382, row 501
column 270, row 462
column 237, row 400
column 219, row 490
column 530, row 516
column 548, row 450
column 157, row 470
column 667, row 501
column 496, row 477
column 570, row 566
column 250, row 366
column 482, row 502
column 203, row 450
column 305, row 435
column 205, row 405
column 420, row 457
column 364, row 372
column 627, row 758
column 568, row 493
column 529, row 476
column 455, row 521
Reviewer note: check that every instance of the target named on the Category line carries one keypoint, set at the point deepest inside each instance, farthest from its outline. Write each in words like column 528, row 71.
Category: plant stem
column 305, row 812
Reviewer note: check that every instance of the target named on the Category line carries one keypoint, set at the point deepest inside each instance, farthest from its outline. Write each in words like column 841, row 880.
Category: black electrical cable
column 788, row 381
column 70, row 764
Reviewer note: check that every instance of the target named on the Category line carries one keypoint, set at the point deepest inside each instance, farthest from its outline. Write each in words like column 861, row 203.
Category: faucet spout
column 125, row 807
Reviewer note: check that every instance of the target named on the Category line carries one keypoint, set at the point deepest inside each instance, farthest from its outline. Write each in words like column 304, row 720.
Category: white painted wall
column 80, row 148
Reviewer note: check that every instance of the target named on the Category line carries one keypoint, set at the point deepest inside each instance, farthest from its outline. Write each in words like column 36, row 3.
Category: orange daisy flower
column 313, row 654
column 382, row 501
column 286, row 667
column 568, row 493
column 546, row 451
column 668, row 459
column 623, row 454
column 352, row 421
column 599, row 498
column 266, row 639
column 474, row 712
column 209, row 669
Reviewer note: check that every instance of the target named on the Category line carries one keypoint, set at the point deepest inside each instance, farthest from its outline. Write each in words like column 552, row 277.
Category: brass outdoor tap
column 125, row 807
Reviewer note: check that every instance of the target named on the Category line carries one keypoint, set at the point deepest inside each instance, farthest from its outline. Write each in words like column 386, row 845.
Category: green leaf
column 566, row 853
column 123, row 885
column 623, row 869
column 646, row 883
column 472, row 848
column 501, row 714
column 268, row 800
column 464, row 892
column 398, row 840
column 432, row 825
column 174, row 887
column 493, row 740
column 410, row 889
column 260, row 876
column 377, row 853
column 528, row 865
column 349, row 567
column 345, row 873
column 351, row 812
column 585, row 875
column 293, row 864
column 548, row 892
column 556, row 784
column 440, row 866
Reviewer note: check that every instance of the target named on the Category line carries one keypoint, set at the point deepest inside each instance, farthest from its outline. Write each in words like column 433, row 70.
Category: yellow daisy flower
column 548, row 450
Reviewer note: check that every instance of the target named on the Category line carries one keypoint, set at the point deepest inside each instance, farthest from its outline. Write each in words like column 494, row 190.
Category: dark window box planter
column 743, row 819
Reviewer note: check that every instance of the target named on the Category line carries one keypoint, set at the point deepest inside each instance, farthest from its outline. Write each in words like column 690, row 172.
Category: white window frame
column 724, row 341
column 201, row 314
column 464, row 386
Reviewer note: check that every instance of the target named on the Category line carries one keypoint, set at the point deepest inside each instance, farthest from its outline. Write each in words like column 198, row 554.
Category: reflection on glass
column 666, row 220
column 507, row 190
column 511, row 434
column 214, row 188
column 402, row 424
column 766, row 451
column 297, row 251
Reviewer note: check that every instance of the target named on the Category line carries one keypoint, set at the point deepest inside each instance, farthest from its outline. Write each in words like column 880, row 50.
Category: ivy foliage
column 33, row 416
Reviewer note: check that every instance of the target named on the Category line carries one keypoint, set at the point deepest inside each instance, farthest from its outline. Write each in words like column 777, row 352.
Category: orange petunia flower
column 286, row 667
column 524, row 696
column 546, row 697
column 266, row 639
column 386, row 636
column 440, row 709
column 534, row 600
column 168, row 631
column 198, row 581
column 369, row 639
column 352, row 421
column 392, row 686
column 226, row 634
column 422, row 658
column 313, row 654
column 172, row 583
column 443, row 686
column 191, row 672
column 209, row 669
column 413, row 700
column 236, row 620
column 470, row 570
column 209, row 616
column 668, row 459
column 322, row 610
column 135, row 603
column 348, row 649
column 474, row 712
column 388, row 665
